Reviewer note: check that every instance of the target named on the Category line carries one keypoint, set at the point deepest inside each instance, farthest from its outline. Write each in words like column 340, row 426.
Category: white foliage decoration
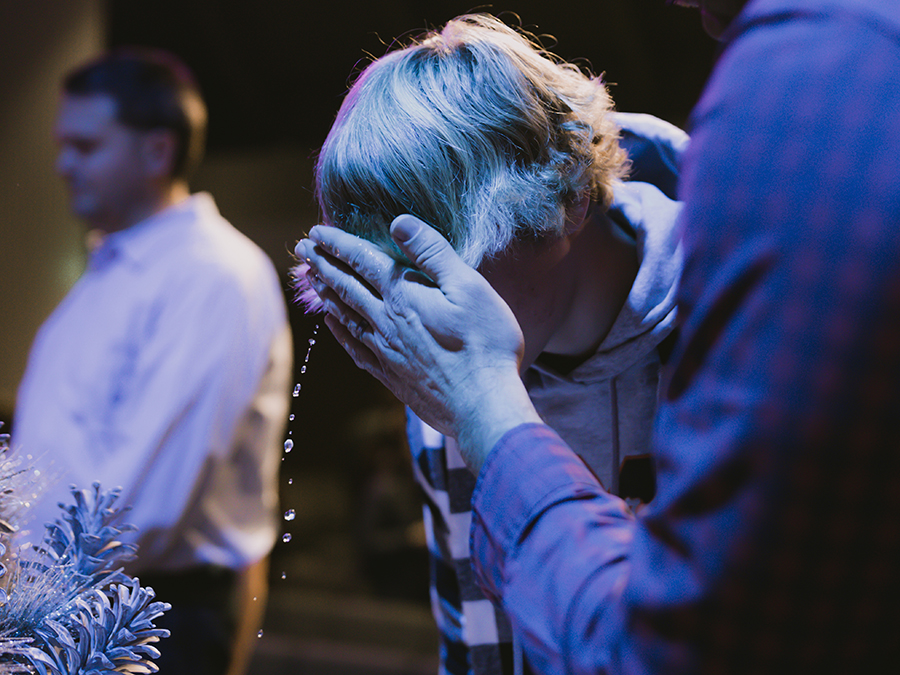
column 66, row 607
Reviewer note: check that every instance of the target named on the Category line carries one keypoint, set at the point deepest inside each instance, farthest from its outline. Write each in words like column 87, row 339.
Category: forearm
column 252, row 595
column 552, row 546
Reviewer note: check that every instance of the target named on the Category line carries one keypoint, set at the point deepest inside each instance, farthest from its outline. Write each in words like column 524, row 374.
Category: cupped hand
column 435, row 333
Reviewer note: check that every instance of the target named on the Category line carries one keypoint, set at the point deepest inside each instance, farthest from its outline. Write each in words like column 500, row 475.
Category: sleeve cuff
column 528, row 470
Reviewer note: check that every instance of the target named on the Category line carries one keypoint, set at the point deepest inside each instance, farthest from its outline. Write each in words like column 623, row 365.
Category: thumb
column 426, row 248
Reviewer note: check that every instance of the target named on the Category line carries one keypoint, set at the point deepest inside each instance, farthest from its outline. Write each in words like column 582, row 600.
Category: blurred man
column 166, row 368
column 773, row 541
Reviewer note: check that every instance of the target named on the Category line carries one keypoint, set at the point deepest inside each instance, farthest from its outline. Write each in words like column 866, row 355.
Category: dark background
column 275, row 71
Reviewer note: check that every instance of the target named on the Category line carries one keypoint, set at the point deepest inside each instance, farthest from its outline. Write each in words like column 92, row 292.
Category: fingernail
column 315, row 235
column 300, row 250
column 405, row 228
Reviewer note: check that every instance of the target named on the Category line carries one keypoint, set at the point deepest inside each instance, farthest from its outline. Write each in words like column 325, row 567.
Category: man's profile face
column 100, row 160
column 716, row 14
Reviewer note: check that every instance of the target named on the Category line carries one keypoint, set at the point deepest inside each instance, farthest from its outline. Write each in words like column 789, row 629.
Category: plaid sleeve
column 778, row 436
column 773, row 543
column 474, row 633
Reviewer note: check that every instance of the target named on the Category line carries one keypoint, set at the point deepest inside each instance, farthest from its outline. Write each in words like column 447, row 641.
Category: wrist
column 501, row 405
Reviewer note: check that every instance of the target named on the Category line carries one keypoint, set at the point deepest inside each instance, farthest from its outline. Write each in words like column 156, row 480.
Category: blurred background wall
column 41, row 251
column 274, row 73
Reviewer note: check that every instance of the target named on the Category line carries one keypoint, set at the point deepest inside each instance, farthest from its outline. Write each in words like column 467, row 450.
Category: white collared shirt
column 165, row 371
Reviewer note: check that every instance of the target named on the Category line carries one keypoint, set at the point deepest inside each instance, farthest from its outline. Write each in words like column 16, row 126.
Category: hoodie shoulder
column 654, row 147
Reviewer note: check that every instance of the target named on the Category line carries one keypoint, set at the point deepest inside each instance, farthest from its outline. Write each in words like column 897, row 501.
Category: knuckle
column 364, row 262
column 354, row 259
column 357, row 328
column 342, row 289
column 430, row 249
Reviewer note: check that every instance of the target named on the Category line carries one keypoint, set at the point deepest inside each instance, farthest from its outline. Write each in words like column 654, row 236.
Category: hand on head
column 436, row 334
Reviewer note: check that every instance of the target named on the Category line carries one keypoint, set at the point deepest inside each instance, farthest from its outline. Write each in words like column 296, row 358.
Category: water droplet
column 290, row 514
column 302, row 369
column 259, row 634
column 312, row 341
column 290, row 481
column 297, row 390
column 283, row 575
column 254, row 598
column 286, row 537
column 291, row 418
column 288, row 445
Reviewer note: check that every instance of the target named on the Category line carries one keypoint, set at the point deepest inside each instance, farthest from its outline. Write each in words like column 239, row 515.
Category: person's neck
column 605, row 264
column 154, row 202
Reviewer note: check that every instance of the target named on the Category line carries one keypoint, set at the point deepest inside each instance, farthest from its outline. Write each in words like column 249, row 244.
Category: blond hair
column 474, row 129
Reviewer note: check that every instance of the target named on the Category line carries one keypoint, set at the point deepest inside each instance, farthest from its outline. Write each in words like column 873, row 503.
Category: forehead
column 92, row 115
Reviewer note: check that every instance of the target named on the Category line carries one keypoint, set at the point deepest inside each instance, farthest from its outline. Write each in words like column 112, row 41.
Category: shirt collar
column 145, row 241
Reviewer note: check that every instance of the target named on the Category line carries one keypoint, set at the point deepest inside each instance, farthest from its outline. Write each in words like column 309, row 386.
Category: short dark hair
column 153, row 89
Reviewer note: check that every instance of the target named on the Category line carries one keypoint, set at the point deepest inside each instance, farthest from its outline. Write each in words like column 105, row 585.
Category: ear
column 158, row 153
column 576, row 215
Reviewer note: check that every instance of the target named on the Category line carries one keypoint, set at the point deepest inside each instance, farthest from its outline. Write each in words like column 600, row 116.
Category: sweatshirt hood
column 648, row 314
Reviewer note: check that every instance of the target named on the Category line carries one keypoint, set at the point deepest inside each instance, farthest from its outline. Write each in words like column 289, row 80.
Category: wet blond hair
column 476, row 130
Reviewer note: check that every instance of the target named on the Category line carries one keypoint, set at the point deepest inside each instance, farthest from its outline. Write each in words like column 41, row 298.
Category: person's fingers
column 338, row 286
column 302, row 249
column 330, row 302
column 362, row 356
column 427, row 249
column 364, row 258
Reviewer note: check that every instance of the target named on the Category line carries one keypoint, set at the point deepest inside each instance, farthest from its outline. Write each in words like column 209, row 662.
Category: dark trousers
column 202, row 621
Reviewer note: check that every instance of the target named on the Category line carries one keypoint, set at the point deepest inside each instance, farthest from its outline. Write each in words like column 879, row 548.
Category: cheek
column 105, row 164
column 508, row 289
column 529, row 298
column 112, row 174
column 535, row 311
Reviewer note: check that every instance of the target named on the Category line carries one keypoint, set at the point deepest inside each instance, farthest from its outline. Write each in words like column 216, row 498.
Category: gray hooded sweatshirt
column 604, row 408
